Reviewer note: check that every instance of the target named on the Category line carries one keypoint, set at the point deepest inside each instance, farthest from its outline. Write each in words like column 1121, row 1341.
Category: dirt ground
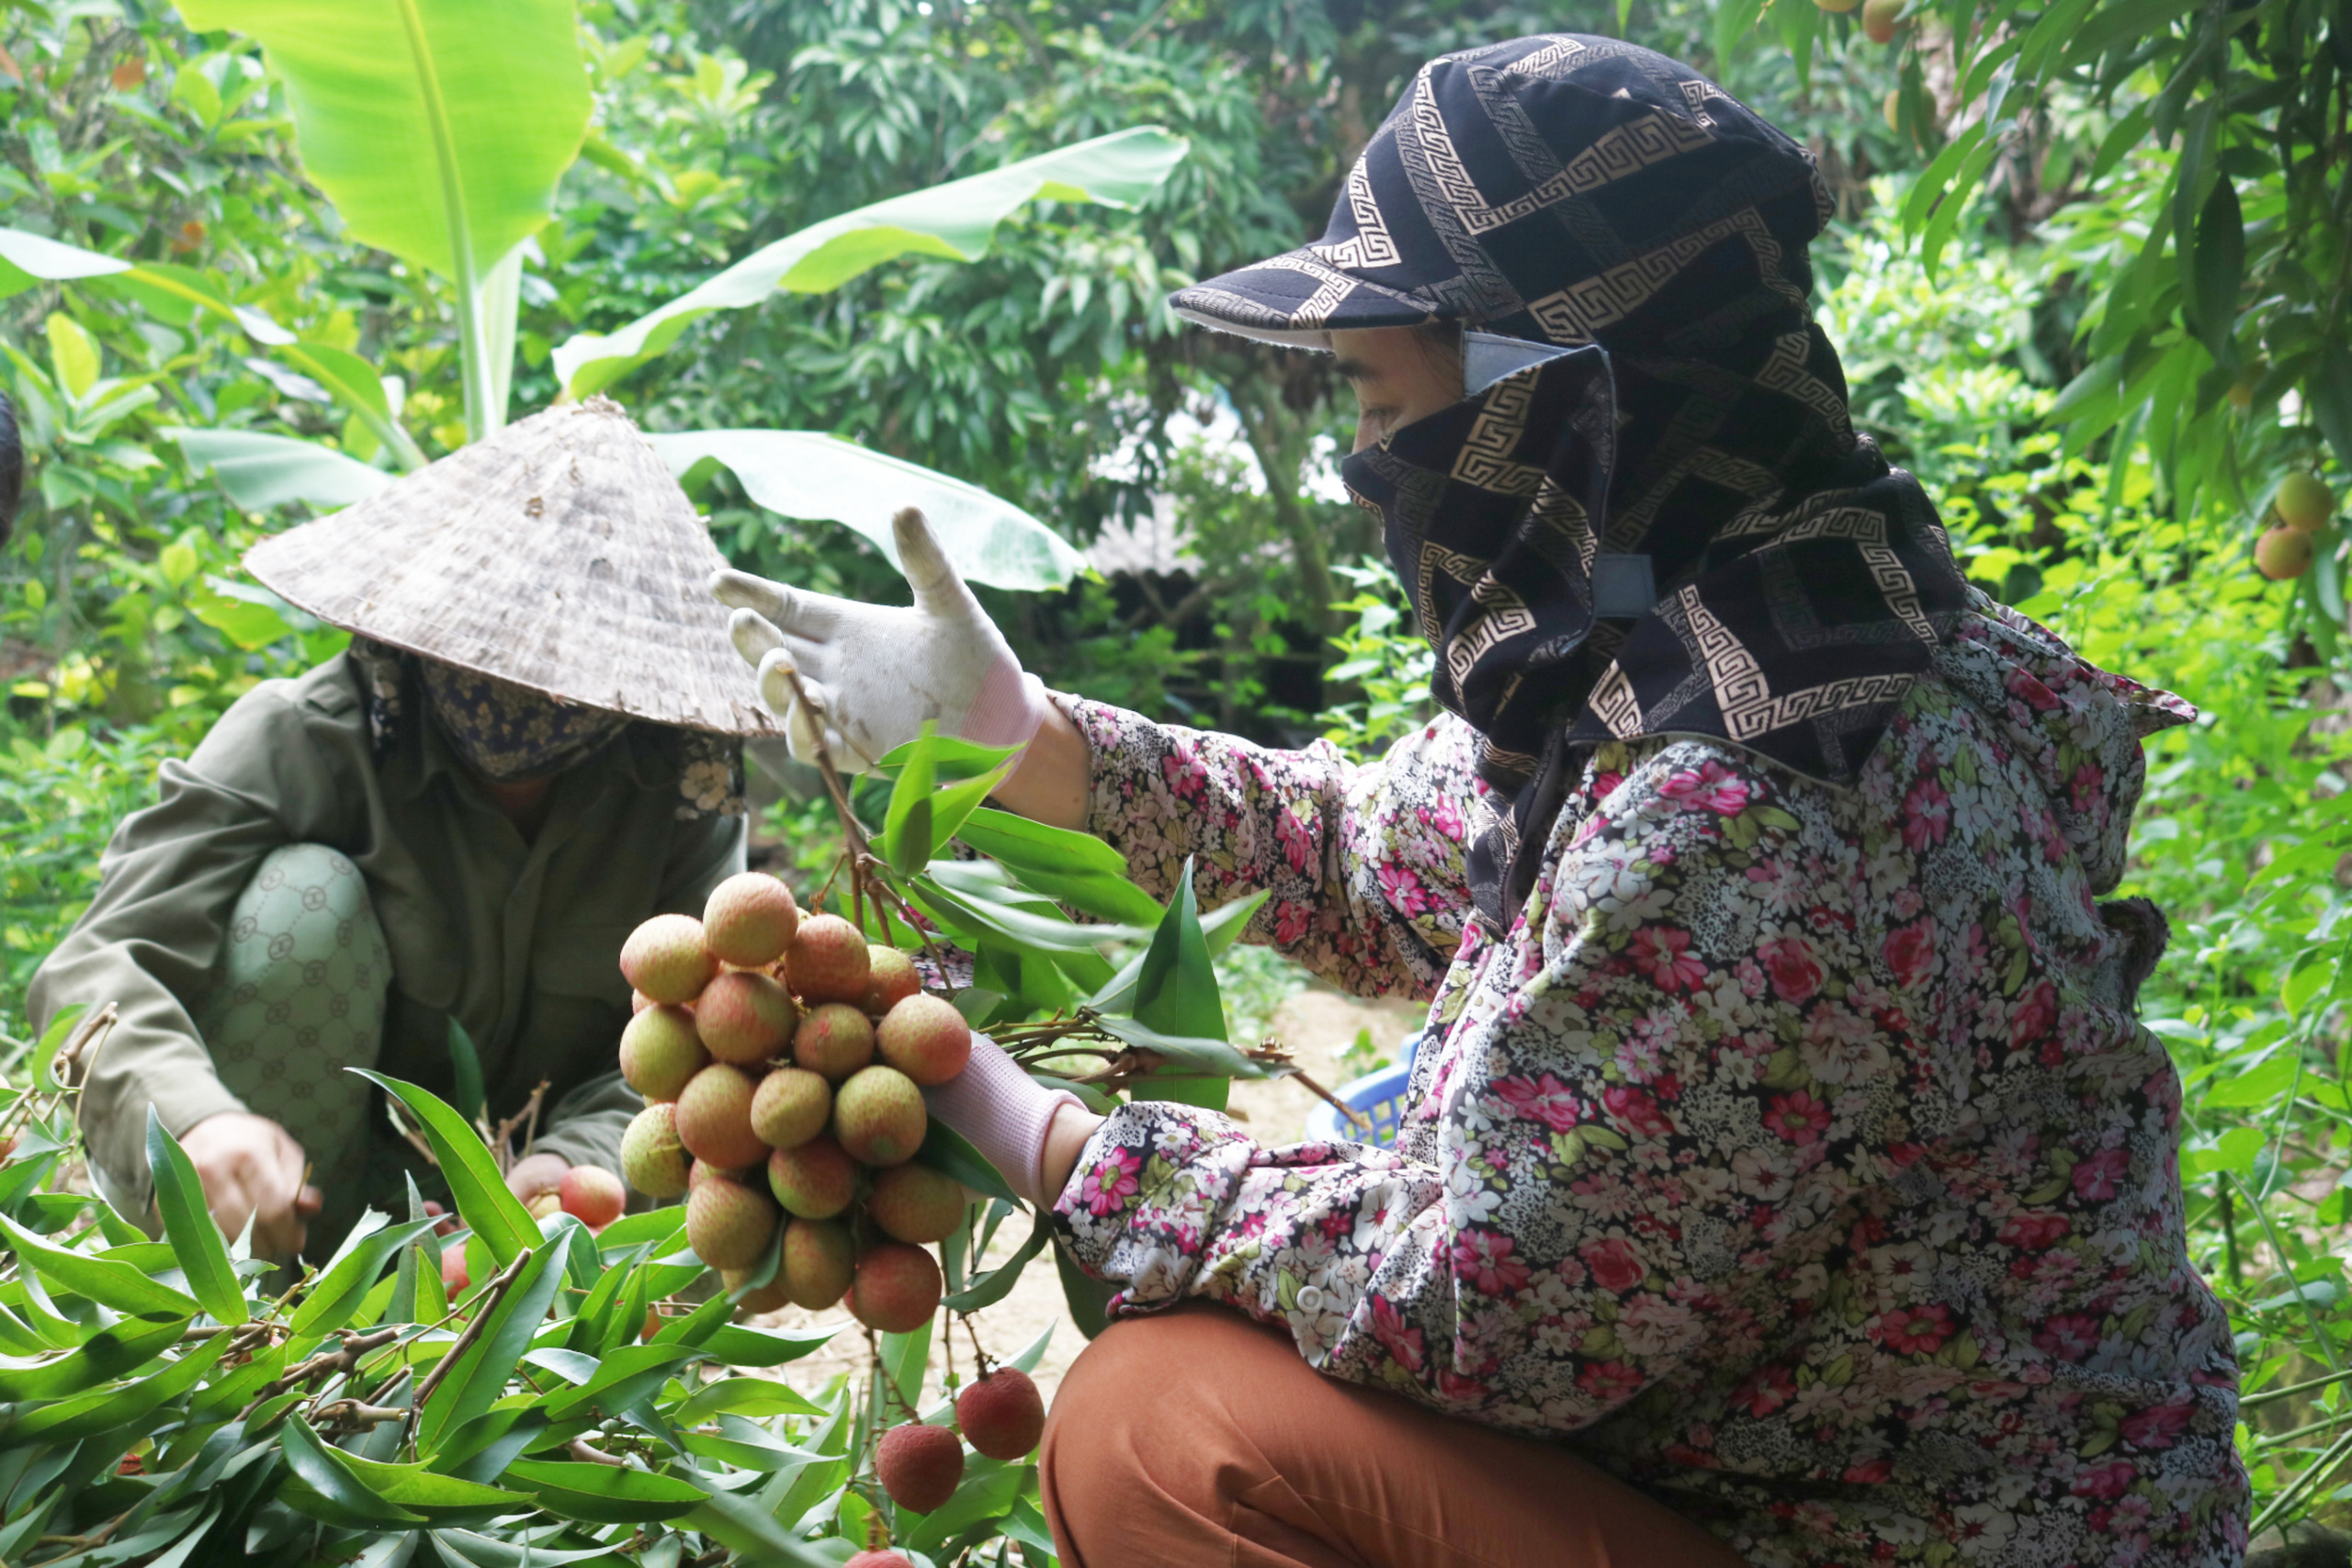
column 1317, row 1026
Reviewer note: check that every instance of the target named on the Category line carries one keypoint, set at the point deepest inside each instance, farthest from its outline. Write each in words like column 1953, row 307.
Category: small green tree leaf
column 195, row 1241
column 329, row 1472
column 344, row 1284
column 479, row 1376
column 104, row 1280
column 602, row 1493
column 987, row 1289
column 945, row 1149
column 111, row 1352
column 495, row 1214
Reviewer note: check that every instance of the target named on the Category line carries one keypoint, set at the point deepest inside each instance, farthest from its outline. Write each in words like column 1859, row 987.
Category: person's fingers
column 754, row 634
column 939, row 591
column 308, row 1201
column 741, row 590
column 231, row 1204
column 800, row 725
column 790, row 610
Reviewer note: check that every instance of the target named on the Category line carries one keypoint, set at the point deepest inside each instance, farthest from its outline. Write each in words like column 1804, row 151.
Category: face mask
column 510, row 734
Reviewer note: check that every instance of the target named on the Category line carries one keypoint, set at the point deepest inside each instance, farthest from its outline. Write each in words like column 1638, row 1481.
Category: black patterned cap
column 1563, row 188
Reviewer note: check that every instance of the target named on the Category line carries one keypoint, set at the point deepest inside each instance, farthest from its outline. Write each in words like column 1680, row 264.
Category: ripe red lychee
column 715, row 1118
column 918, row 1466
column 814, row 1180
column 791, row 1107
column 743, row 1017
column 820, row 1262
column 835, row 1040
column 878, row 1116
column 659, row 1051
column 651, row 1156
column 1003, row 1414
column 667, row 959
column 926, row 1039
column 749, row 919
column 2283, row 552
column 593, row 1195
column 827, row 961
column 770, row 1297
column 890, row 978
column 896, row 1288
column 914, row 1202
column 453, row 1270
column 730, row 1224
column 874, row 1558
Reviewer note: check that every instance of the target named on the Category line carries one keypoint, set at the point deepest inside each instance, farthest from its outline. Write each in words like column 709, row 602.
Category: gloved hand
column 1005, row 1113
column 874, row 674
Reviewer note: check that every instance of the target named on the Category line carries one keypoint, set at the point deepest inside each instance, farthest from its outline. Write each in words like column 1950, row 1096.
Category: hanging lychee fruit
column 2304, row 503
column 2283, row 552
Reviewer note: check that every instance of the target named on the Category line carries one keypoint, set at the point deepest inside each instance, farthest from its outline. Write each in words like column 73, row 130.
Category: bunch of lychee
column 2302, row 506
column 783, row 1061
column 1002, row 1415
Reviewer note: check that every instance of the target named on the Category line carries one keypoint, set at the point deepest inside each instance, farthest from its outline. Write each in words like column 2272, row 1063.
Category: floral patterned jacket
column 1796, row 1154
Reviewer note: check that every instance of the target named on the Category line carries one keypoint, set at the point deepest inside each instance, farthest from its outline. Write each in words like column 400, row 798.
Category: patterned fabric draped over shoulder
column 1794, row 1153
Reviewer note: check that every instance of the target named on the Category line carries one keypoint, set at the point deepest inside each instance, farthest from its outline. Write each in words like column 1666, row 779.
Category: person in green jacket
column 435, row 842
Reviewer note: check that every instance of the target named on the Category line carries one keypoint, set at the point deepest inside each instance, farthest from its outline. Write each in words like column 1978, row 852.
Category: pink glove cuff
column 1008, row 708
column 1005, row 1113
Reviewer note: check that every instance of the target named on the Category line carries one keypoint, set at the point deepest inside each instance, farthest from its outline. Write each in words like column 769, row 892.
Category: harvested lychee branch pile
column 783, row 1060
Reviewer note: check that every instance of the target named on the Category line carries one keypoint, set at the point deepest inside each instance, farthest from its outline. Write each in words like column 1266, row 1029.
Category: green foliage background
column 2090, row 279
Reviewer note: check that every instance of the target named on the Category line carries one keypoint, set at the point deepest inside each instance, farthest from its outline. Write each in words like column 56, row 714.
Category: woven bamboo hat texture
column 559, row 553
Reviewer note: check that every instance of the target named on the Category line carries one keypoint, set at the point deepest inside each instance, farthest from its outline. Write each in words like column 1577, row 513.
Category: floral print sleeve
column 1796, row 1156
column 1363, row 862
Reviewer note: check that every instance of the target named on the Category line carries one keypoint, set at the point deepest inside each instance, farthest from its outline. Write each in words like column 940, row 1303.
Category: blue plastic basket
column 1380, row 1096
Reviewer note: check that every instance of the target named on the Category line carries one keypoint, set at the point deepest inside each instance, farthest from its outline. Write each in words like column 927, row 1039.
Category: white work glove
column 874, row 674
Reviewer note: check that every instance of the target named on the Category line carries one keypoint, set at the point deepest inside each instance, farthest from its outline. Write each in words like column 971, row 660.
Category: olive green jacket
column 520, row 943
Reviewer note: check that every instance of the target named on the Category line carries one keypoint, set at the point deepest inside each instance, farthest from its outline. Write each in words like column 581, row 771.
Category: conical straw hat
column 559, row 553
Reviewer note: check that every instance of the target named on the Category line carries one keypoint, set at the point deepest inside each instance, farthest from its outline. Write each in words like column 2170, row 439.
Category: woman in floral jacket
column 1784, row 1155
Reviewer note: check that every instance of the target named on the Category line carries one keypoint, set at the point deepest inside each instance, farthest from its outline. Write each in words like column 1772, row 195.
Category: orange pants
column 1195, row 1436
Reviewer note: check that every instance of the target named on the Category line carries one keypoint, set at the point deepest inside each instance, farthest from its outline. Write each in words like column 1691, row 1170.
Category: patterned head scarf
column 1651, row 514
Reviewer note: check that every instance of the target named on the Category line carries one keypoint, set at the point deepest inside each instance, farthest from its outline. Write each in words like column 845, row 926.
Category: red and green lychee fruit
column 814, row 1180
column 2304, row 502
column 730, row 1224
column 454, row 1281
column 661, row 1050
column 878, row 1116
column 918, row 1466
column 653, row 1159
column 791, row 1107
column 835, row 1040
column 890, row 978
column 715, row 1118
column 1882, row 18
column 913, row 1202
column 749, row 919
column 743, row 1017
column 591, row 1195
column 667, row 959
column 820, row 1262
column 827, row 961
column 2283, row 552
column 770, row 1297
column 1003, row 1413
column 925, row 1038
column 879, row 1557
column 896, row 1288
